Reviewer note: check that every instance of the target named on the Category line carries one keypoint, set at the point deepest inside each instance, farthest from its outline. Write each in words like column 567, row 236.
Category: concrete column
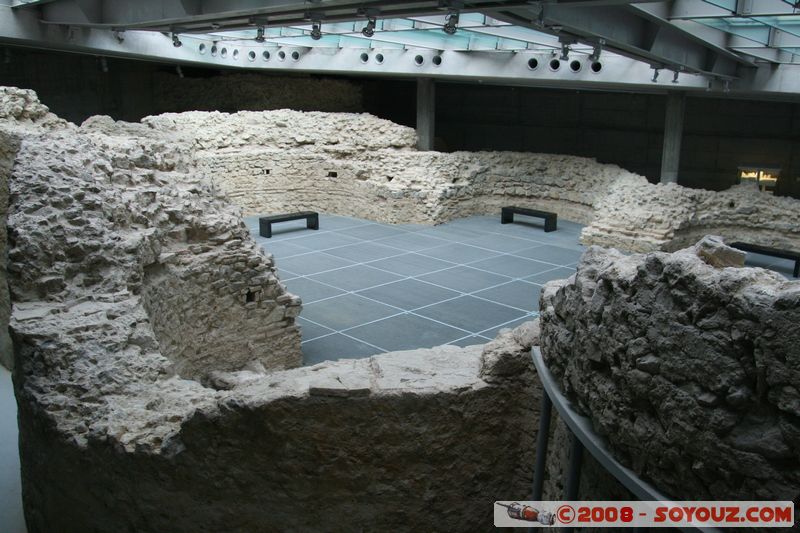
column 673, row 132
column 426, row 113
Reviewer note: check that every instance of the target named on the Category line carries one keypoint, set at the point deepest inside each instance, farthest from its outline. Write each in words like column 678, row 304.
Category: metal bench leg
column 265, row 228
column 550, row 224
column 541, row 446
column 506, row 216
column 797, row 268
column 312, row 222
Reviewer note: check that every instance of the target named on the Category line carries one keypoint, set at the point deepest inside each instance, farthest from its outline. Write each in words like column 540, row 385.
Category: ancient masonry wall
column 688, row 365
column 95, row 216
column 362, row 166
column 8, row 150
column 134, row 289
column 392, row 442
column 644, row 217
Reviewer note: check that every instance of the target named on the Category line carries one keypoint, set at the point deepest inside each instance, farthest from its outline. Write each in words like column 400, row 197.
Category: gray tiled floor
column 369, row 287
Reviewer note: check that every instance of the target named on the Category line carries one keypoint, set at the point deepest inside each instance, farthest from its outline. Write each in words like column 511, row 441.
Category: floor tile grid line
column 413, row 311
column 530, row 315
column 421, row 252
column 348, row 336
column 406, row 278
column 470, row 334
column 360, row 340
column 478, row 233
column 404, row 312
column 468, row 263
column 373, row 241
column 409, row 231
column 509, row 279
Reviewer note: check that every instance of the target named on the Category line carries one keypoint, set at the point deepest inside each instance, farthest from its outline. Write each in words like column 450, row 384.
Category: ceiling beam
column 632, row 32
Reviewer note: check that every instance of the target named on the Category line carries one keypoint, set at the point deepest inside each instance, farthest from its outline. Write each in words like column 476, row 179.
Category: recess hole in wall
column 419, row 60
column 332, row 174
column 213, row 50
column 265, row 55
column 533, row 63
column 250, row 296
column 575, row 65
column 596, row 66
column 251, row 55
column 731, row 204
column 555, row 64
column 437, row 60
column 389, row 178
column 281, row 55
column 202, row 48
column 223, row 52
column 379, row 58
column 265, row 171
column 364, row 57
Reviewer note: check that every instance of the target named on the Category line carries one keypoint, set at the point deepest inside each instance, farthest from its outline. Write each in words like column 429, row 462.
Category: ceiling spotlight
column 215, row 26
column 451, row 23
column 675, row 77
column 260, row 35
column 564, row 52
column 176, row 42
column 656, row 72
column 118, row 34
column 316, row 30
column 369, row 29
column 598, row 49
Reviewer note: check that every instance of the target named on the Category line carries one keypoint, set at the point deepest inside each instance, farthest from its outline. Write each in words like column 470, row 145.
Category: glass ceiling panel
column 475, row 32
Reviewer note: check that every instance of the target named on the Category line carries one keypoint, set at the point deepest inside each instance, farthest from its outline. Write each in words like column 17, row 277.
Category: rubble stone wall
column 8, row 150
column 358, row 165
column 147, row 329
column 687, row 364
column 392, row 442
column 644, row 217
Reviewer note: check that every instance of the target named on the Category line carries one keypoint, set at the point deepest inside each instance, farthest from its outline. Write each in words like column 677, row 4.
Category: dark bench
column 265, row 223
column 550, row 219
column 774, row 252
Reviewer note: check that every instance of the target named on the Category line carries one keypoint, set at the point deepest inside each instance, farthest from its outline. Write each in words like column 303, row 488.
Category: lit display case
column 763, row 177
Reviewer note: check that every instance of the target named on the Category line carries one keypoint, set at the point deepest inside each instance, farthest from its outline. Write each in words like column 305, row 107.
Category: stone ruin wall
column 115, row 249
column 358, row 165
column 96, row 217
column 644, row 217
column 8, row 150
column 688, row 365
column 112, row 235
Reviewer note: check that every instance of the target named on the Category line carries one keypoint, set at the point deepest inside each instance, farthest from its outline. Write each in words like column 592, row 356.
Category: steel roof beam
column 690, row 9
column 631, row 32
column 503, row 68
column 201, row 15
